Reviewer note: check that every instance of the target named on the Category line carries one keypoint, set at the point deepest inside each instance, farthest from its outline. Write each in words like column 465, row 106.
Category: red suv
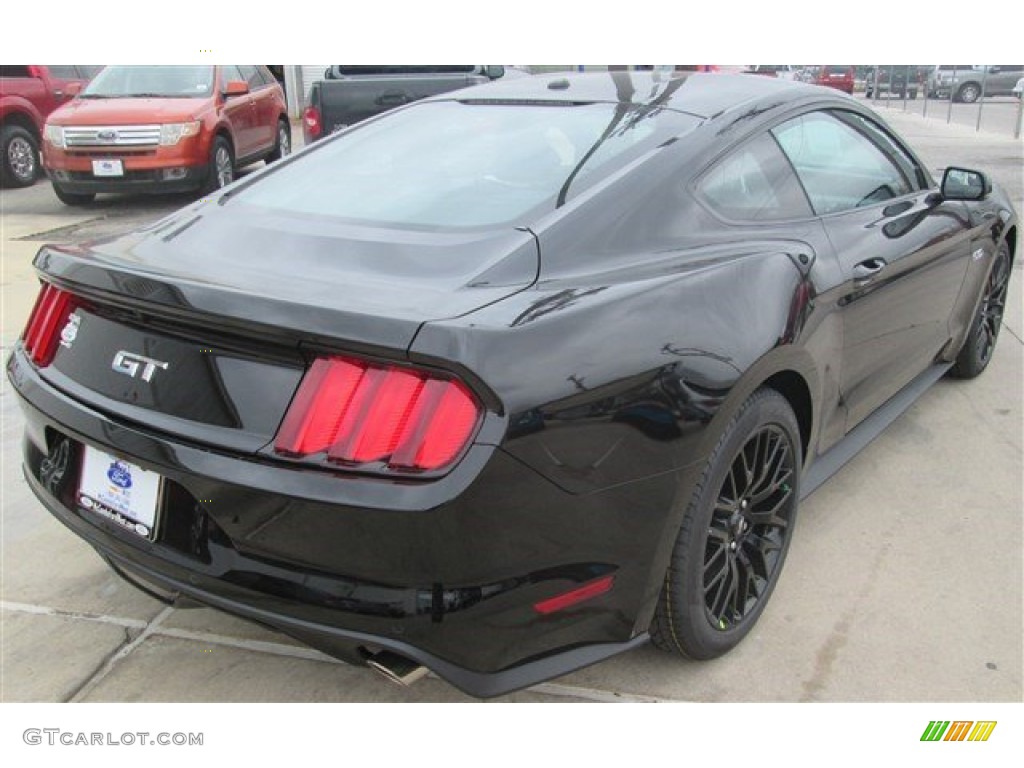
column 28, row 93
column 164, row 129
column 836, row 76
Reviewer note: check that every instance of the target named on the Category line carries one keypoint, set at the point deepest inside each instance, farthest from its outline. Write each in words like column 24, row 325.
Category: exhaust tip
column 395, row 668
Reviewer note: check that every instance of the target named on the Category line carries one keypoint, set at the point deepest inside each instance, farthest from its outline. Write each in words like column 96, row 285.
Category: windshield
column 451, row 164
column 153, row 81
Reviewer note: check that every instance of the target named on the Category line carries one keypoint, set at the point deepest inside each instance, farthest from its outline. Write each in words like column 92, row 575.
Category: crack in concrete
column 123, row 651
column 108, row 659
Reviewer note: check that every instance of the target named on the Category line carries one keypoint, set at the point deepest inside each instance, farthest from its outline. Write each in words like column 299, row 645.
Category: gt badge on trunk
column 129, row 364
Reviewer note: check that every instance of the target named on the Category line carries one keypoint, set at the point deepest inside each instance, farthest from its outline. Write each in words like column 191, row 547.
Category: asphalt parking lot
column 904, row 581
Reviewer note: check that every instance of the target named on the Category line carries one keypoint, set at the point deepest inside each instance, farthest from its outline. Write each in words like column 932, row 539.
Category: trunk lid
column 197, row 325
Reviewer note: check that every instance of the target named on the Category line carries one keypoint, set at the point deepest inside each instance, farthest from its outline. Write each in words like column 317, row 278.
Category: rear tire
column 980, row 344
column 735, row 533
column 20, row 163
column 283, row 145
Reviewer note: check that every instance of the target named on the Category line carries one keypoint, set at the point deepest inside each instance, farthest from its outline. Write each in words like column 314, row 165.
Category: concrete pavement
column 904, row 581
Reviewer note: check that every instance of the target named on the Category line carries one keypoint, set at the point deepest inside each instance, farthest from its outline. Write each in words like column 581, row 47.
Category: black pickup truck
column 350, row 93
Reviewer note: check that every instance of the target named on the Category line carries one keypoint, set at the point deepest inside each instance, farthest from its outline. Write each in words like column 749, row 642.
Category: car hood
column 321, row 279
column 122, row 111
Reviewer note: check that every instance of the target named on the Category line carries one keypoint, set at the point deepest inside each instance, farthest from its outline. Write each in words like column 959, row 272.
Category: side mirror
column 964, row 184
column 494, row 71
column 72, row 89
column 236, row 88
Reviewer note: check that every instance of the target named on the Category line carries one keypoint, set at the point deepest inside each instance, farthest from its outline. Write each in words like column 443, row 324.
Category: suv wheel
column 968, row 93
column 20, row 166
column 283, row 146
column 221, row 170
column 735, row 533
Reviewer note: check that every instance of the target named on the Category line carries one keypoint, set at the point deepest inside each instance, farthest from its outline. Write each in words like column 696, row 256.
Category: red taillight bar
column 363, row 413
column 52, row 309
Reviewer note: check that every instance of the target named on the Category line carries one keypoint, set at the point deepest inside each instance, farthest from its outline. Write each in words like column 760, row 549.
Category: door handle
column 868, row 269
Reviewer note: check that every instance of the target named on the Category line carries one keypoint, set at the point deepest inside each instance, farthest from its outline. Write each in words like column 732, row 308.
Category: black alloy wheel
column 735, row 533
column 749, row 527
column 977, row 350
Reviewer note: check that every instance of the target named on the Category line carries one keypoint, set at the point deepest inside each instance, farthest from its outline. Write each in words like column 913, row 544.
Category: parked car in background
column 163, row 128
column 839, row 76
column 507, row 381
column 807, row 74
column 28, row 93
column 350, row 93
column 783, row 71
column 897, row 80
column 968, row 82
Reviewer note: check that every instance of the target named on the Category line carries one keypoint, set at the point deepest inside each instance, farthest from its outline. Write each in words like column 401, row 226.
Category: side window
column 63, row 71
column 251, row 75
column 882, row 139
column 840, row 168
column 267, row 75
column 228, row 73
column 754, row 183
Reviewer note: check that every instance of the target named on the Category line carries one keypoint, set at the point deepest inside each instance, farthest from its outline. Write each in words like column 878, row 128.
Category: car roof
column 698, row 94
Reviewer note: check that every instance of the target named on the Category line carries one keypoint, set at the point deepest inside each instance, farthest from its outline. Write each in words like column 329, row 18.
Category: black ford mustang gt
column 513, row 379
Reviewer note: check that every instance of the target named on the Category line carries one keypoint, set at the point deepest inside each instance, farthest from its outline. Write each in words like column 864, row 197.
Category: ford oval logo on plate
column 120, row 475
column 107, row 136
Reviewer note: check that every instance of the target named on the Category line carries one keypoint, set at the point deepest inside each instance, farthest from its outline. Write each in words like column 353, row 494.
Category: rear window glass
column 151, row 81
column 452, row 165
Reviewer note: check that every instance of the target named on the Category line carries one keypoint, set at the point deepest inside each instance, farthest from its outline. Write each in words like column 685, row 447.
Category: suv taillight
column 49, row 315
column 374, row 416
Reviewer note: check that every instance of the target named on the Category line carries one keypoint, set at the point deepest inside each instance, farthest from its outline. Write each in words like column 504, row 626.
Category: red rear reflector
column 50, row 314
column 578, row 595
column 363, row 413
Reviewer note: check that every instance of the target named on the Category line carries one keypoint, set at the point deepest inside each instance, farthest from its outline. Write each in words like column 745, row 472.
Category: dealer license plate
column 119, row 491
column 107, row 168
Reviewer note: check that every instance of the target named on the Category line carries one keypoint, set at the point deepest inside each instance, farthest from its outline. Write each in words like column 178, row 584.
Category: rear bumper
column 451, row 586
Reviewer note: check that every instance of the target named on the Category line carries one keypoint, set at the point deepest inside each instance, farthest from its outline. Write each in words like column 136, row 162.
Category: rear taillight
column 49, row 316
column 358, row 413
column 311, row 122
